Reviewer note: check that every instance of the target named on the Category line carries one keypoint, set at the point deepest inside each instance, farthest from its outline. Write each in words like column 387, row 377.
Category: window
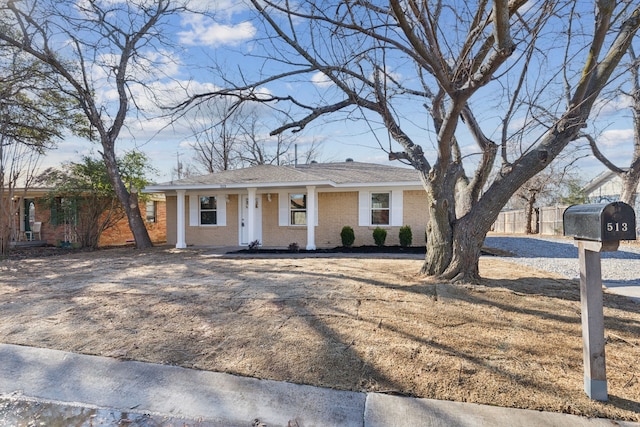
column 150, row 211
column 208, row 210
column 64, row 211
column 298, row 209
column 380, row 208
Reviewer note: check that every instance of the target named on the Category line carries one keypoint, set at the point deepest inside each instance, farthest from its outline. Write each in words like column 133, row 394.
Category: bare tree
column 630, row 175
column 258, row 146
column 89, row 46
column 459, row 51
column 217, row 128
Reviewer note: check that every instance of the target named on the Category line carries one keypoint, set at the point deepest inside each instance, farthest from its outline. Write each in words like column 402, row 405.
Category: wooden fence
column 546, row 221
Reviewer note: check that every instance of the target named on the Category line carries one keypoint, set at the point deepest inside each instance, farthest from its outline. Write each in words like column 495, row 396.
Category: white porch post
column 181, row 222
column 311, row 217
column 251, row 215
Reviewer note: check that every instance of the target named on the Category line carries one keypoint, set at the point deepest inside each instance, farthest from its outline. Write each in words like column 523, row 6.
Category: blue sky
column 232, row 41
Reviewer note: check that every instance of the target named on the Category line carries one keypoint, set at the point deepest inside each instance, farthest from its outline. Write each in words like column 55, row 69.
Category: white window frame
column 194, row 210
column 372, row 208
column 395, row 207
column 292, row 210
column 214, row 209
column 284, row 208
column 154, row 210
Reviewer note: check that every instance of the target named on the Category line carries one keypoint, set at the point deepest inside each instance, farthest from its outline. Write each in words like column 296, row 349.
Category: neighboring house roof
column 345, row 174
column 598, row 181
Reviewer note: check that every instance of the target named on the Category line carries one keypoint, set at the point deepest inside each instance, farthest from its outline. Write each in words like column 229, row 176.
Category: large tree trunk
column 630, row 186
column 441, row 205
column 469, row 233
column 439, row 242
column 129, row 200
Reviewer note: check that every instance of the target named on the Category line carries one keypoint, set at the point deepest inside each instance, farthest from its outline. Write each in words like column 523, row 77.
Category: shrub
column 294, row 247
column 348, row 236
column 254, row 246
column 405, row 236
column 379, row 236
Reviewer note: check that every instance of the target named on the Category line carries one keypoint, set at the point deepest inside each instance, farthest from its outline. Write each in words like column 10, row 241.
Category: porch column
column 251, row 215
column 311, row 217
column 181, row 222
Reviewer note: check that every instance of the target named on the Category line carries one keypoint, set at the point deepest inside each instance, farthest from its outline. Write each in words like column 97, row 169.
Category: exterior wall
column 119, row 235
column 416, row 216
column 172, row 220
column 335, row 210
column 275, row 235
column 213, row 235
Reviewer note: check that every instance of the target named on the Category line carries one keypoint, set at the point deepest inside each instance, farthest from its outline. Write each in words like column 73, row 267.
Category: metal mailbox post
column 596, row 228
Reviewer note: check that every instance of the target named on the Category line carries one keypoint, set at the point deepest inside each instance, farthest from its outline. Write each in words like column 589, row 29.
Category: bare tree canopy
column 92, row 45
column 629, row 91
column 433, row 73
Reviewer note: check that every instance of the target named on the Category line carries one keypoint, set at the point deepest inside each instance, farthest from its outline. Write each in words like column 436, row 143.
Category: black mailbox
column 602, row 222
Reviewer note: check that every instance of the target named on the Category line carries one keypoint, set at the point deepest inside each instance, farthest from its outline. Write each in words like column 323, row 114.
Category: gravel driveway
column 620, row 269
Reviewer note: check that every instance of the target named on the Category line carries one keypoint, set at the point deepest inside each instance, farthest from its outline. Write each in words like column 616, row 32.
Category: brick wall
column 120, row 235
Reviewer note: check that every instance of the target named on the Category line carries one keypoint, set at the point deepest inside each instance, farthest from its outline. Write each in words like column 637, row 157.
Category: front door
column 245, row 239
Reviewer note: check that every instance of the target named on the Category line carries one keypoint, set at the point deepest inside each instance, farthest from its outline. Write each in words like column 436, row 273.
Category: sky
column 234, row 42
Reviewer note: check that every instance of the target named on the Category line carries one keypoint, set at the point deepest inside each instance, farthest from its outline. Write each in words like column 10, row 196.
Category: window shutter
column 194, row 210
column 283, row 209
column 396, row 207
column 364, row 213
column 221, row 206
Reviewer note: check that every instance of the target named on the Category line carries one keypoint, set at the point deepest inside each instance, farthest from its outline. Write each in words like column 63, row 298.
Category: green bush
column 379, row 236
column 405, row 236
column 348, row 236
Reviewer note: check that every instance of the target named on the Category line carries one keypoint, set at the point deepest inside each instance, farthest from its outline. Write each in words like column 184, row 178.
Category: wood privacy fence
column 546, row 220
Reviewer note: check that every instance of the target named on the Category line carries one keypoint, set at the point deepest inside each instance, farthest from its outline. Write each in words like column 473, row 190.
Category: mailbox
column 602, row 222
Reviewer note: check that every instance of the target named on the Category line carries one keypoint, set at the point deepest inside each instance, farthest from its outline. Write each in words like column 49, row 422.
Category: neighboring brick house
column 307, row 205
column 31, row 207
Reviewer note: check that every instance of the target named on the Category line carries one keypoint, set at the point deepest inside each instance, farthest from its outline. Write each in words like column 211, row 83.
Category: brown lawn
column 352, row 323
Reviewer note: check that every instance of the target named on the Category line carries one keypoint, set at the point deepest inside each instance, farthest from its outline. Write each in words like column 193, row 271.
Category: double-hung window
column 208, row 210
column 380, row 208
column 150, row 208
column 298, row 209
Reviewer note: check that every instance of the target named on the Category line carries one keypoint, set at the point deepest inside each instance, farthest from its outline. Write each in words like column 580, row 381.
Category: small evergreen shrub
column 294, row 247
column 405, row 236
column 348, row 236
column 379, row 236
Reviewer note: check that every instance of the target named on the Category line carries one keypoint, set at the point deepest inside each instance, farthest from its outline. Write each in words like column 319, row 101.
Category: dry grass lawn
column 364, row 324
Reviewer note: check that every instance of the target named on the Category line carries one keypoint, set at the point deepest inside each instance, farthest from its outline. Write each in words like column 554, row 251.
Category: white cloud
column 213, row 34
column 616, row 137
column 321, row 80
column 613, row 106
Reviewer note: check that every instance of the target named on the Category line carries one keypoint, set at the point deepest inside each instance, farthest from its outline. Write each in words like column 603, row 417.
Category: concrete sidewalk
column 63, row 378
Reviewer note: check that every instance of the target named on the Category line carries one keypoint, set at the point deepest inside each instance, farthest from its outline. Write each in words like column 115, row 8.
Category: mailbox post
column 596, row 228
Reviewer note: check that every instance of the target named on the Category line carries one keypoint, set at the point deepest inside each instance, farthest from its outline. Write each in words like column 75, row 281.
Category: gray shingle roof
column 328, row 174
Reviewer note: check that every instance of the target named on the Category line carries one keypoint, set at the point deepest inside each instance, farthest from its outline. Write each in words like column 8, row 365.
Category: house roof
column 344, row 174
column 598, row 181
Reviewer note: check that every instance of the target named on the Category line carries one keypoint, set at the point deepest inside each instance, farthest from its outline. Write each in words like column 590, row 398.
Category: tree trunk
column 529, row 214
column 469, row 233
column 439, row 242
column 129, row 200
column 629, row 187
